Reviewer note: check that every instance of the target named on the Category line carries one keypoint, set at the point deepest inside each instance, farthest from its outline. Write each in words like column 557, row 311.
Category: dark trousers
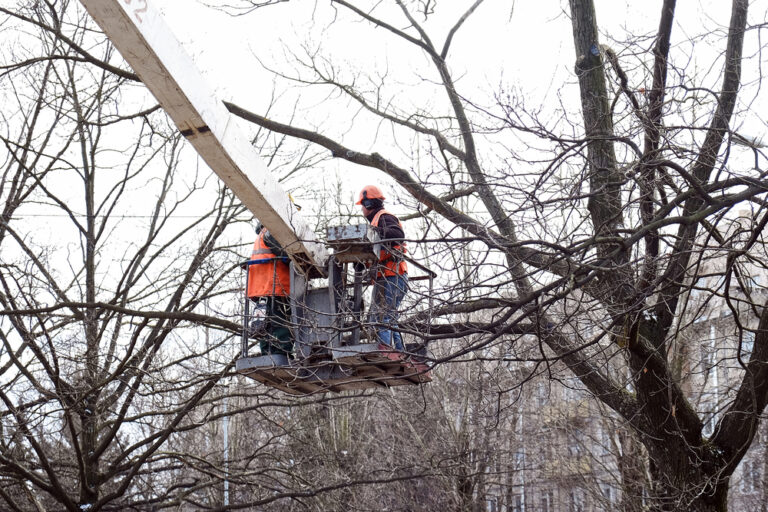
column 278, row 339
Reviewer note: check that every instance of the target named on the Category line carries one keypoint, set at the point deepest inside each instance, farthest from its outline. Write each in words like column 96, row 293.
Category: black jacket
column 389, row 226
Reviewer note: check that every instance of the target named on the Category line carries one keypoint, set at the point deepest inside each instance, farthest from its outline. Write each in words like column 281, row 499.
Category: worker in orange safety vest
column 391, row 271
column 269, row 286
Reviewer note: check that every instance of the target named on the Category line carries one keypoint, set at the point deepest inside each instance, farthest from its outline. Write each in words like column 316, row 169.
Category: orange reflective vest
column 390, row 265
column 269, row 277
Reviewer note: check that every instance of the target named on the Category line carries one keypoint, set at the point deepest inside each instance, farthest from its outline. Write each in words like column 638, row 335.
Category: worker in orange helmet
column 269, row 287
column 391, row 272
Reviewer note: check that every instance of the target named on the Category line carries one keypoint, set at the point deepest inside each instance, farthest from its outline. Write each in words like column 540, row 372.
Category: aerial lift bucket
column 329, row 329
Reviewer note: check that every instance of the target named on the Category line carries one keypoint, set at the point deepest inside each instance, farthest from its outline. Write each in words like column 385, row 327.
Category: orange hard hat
column 370, row 192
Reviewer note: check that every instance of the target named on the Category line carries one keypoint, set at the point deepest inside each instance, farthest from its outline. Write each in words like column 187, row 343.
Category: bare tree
column 117, row 281
column 576, row 245
column 606, row 225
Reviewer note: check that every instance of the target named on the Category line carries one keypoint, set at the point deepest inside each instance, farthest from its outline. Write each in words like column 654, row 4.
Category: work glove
column 259, row 323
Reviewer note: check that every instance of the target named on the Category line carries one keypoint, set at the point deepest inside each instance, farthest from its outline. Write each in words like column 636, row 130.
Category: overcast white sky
column 522, row 45
column 524, row 40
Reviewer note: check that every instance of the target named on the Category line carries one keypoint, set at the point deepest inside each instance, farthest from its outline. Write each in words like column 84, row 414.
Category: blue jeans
column 388, row 292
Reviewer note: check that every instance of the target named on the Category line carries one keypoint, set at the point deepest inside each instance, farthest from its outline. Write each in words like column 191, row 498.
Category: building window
column 606, row 489
column 519, row 458
column 575, row 444
column 547, row 447
column 578, row 503
column 606, row 446
column 752, row 283
column 697, row 287
column 542, row 393
column 747, row 344
column 547, row 501
column 750, row 478
column 491, row 505
column 517, row 503
column 706, row 356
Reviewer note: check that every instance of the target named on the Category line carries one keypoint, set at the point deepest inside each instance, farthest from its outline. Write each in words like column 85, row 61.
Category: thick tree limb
column 539, row 259
column 604, row 178
column 647, row 172
column 739, row 423
column 674, row 274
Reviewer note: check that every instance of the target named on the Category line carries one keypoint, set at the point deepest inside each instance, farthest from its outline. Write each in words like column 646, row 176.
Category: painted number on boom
column 138, row 8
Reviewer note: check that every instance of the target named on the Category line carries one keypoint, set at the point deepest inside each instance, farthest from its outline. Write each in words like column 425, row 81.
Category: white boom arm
column 147, row 44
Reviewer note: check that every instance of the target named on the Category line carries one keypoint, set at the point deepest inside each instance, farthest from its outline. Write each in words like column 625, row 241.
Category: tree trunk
column 604, row 179
column 694, row 493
